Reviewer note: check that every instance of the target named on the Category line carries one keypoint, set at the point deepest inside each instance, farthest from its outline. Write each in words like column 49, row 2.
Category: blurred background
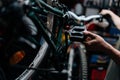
column 98, row 62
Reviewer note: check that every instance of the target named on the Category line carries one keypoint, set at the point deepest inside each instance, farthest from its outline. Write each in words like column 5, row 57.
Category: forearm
column 113, row 53
column 115, row 18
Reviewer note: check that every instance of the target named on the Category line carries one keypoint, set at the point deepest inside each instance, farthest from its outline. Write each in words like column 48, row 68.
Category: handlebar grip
column 101, row 18
column 107, row 17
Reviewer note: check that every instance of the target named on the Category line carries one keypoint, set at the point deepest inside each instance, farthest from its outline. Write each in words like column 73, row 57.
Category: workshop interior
column 44, row 40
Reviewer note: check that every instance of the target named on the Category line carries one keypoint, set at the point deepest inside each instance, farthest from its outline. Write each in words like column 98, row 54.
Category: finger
column 90, row 43
column 90, row 34
column 88, row 39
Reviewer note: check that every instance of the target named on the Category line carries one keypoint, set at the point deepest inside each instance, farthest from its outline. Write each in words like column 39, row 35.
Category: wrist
column 110, row 13
column 113, row 53
column 108, row 48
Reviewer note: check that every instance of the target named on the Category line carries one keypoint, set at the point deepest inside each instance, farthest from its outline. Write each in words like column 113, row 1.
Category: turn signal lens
column 17, row 57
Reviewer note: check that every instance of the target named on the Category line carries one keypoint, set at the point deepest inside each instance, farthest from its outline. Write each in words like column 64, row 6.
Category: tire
column 77, row 68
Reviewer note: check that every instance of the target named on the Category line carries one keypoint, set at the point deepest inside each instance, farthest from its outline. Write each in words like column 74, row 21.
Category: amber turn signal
column 17, row 57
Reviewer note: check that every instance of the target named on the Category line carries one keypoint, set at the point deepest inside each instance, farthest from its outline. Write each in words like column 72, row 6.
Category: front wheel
column 77, row 64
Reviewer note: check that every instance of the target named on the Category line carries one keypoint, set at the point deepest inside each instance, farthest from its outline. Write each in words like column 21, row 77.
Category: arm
column 96, row 43
column 115, row 18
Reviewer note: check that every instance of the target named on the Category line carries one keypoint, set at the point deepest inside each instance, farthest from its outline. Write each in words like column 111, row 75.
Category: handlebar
column 72, row 15
column 77, row 30
column 49, row 8
column 68, row 14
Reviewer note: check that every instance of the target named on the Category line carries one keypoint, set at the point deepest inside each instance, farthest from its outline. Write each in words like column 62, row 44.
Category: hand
column 114, row 17
column 95, row 42
column 105, row 12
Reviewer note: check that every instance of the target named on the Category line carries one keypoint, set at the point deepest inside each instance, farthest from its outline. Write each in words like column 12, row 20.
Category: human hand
column 94, row 42
column 105, row 12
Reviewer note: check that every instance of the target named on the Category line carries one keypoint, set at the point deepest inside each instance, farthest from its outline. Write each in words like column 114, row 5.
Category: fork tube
column 59, row 33
column 46, row 36
column 66, row 41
